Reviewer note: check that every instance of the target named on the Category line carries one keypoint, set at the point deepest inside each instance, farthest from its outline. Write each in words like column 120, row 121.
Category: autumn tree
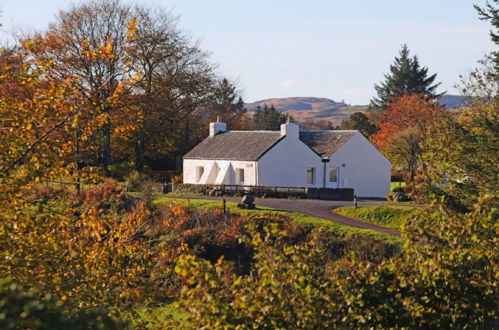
column 86, row 44
column 406, row 77
column 404, row 124
column 174, row 80
column 461, row 154
column 50, row 240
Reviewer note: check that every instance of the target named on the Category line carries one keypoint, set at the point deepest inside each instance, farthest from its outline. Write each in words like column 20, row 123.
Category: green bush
column 20, row 309
column 120, row 171
column 135, row 180
column 445, row 278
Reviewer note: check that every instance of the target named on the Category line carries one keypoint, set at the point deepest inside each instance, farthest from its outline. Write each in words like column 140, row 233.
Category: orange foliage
column 406, row 112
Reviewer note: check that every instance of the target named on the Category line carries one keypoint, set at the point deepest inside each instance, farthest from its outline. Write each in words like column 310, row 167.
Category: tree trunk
column 139, row 152
column 106, row 148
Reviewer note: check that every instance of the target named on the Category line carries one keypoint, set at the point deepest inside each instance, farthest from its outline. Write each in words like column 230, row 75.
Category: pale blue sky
column 334, row 49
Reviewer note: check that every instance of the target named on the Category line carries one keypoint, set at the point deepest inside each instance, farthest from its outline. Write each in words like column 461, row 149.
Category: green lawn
column 386, row 216
column 298, row 217
column 396, row 184
column 156, row 317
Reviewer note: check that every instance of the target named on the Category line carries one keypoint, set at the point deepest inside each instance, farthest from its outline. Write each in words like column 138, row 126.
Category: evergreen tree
column 491, row 12
column 406, row 77
column 359, row 121
column 227, row 104
column 268, row 118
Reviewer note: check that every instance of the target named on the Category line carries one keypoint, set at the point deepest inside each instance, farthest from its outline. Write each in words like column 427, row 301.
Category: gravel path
column 317, row 208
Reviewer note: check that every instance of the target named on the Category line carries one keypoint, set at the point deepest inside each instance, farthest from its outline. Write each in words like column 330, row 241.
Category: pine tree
column 406, row 77
column 268, row 118
column 491, row 12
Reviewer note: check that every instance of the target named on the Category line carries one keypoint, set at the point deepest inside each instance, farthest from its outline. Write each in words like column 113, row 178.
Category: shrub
column 134, row 181
column 445, row 277
column 22, row 309
column 121, row 171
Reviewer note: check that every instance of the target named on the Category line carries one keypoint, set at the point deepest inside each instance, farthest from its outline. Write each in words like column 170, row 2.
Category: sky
column 336, row 49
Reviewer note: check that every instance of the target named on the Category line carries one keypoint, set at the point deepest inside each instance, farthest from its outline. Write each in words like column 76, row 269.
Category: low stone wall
column 334, row 194
column 341, row 194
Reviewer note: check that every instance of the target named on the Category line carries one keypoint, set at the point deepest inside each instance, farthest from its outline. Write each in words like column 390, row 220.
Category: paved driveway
column 317, row 208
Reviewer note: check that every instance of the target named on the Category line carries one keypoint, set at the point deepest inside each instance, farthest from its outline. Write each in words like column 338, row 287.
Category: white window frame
column 199, row 173
column 240, row 175
column 312, row 178
column 336, row 170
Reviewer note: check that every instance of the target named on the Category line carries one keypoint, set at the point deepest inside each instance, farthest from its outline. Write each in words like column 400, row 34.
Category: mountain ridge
column 309, row 108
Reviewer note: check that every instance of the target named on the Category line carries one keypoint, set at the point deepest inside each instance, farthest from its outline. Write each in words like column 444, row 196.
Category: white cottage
column 289, row 158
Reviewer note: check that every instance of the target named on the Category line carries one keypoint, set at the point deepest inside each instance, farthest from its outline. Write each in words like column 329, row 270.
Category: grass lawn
column 386, row 216
column 156, row 317
column 396, row 184
column 298, row 217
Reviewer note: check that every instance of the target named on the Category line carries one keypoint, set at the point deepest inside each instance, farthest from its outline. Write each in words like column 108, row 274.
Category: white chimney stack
column 290, row 129
column 217, row 127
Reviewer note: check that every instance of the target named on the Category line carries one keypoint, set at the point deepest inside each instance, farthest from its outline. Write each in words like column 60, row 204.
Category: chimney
column 217, row 127
column 290, row 129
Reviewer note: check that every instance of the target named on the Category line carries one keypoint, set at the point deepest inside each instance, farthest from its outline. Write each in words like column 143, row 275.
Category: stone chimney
column 291, row 130
column 217, row 127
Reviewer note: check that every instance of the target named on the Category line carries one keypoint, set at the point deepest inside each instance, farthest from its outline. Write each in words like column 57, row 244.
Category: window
column 310, row 175
column 333, row 174
column 240, row 175
column 199, row 172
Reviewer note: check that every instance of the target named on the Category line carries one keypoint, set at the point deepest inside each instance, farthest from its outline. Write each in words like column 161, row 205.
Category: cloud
column 288, row 84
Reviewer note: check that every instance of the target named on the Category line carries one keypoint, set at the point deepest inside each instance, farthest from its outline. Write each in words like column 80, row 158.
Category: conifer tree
column 268, row 118
column 406, row 77
column 491, row 12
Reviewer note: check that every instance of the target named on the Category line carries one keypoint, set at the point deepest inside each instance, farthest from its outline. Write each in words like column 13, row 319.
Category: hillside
column 452, row 101
column 315, row 108
column 310, row 108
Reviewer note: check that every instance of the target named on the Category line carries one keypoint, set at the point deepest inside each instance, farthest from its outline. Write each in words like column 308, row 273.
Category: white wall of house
column 356, row 164
column 287, row 162
column 219, row 172
column 362, row 167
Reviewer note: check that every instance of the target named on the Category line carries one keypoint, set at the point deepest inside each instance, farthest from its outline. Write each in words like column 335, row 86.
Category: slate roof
column 251, row 145
column 235, row 145
column 325, row 143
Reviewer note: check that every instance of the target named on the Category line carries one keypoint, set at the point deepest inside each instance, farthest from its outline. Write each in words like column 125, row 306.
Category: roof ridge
column 256, row 131
column 330, row 130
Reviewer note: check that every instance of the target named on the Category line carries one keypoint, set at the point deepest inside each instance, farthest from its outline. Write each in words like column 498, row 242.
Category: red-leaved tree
column 404, row 124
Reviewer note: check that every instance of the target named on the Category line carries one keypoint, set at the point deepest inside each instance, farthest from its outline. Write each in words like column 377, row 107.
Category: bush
column 20, row 309
column 398, row 194
column 121, row 171
column 445, row 277
column 135, row 180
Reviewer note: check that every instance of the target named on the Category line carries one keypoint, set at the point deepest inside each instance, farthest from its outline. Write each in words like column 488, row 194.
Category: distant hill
column 310, row 108
column 452, row 101
column 315, row 108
